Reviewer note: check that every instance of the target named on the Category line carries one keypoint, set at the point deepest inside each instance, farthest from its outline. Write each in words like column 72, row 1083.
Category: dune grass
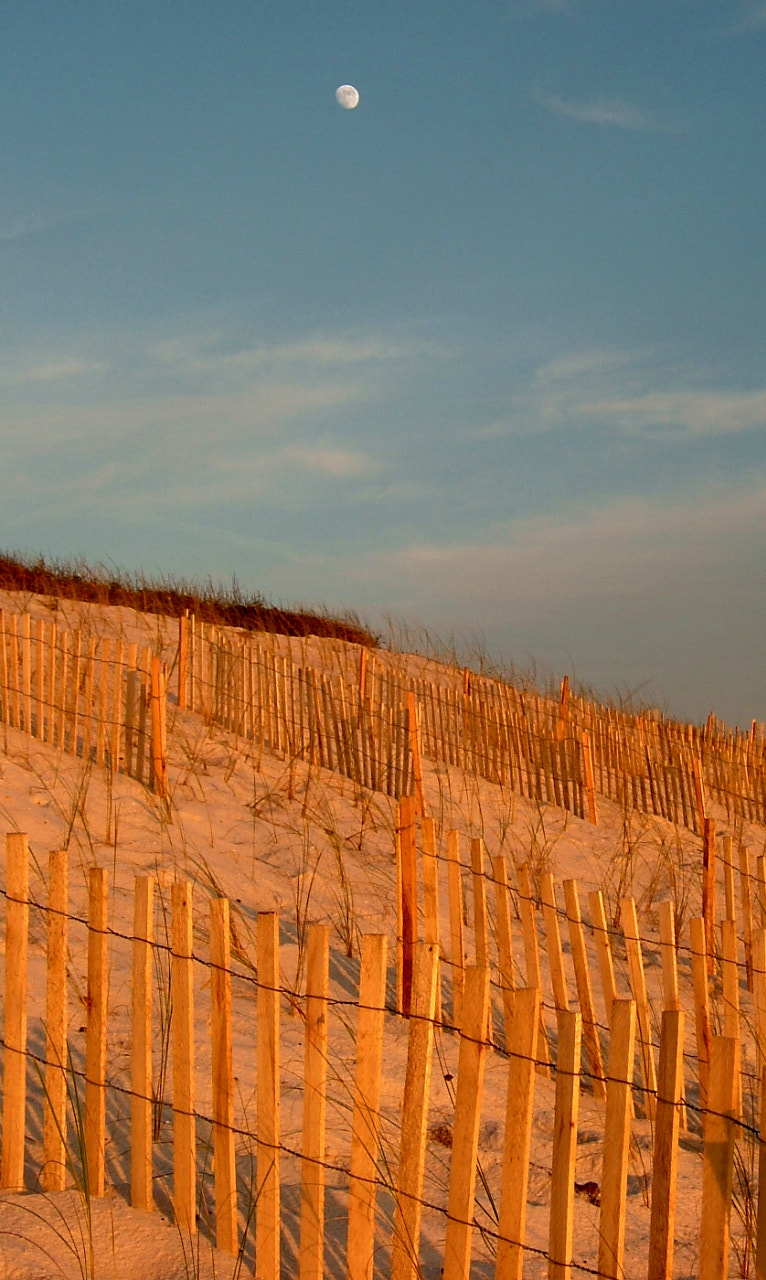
column 209, row 601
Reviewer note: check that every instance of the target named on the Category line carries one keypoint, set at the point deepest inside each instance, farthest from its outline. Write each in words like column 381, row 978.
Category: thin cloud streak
column 605, row 111
column 621, row 387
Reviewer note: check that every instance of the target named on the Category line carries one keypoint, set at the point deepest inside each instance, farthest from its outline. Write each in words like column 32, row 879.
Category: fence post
column 413, row 732
column 311, row 1266
column 638, row 988
column 564, row 1146
column 408, row 896
column 184, row 1120
column 584, row 989
column 718, row 1161
column 730, row 993
column 95, row 1033
column 522, row 1051
column 670, row 979
column 760, row 1239
column 465, row 1140
column 430, row 866
column 365, row 1126
column 457, row 942
column 532, row 959
column 701, row 1003
column 590, row 783
column 619, row 1110
column 747, row 911
column 15, row 1059
column 665, row 1157
column 183, row 658
column 408, row 1210
column 159, row 743
column 223, row 1076
column 267, row 1211
column 553, row 938
column 141, row 1191
column 708, row 889
column 54, row 1127
column 504, row 941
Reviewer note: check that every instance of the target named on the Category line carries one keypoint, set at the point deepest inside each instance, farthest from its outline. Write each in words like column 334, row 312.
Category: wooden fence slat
column 730, row 994
column 430, row 865
column 360, row 1250
column 95, row 1032
column 522, row 1051
column 708, row 889
column 563, row 1160
column 701, row 1002
column 222, row 1076
column 465, row 1132
column 457, row 942
column 584, row 989
column 638, row 988
column 603, row 951
column 15, row 1034
column 311, row 1264
column 504, row 942
column 532, row 959
column 56, row 1008
column 267, row 1209
column 184, row 1119
column 746, row 904
column 619, row 1110
column 141, row 1190
column 718, row 1161
column 665, row 1156
column 405, row 1247
column 408, row 895
column 479, row 886
column 553, row 939
column 760, row 1221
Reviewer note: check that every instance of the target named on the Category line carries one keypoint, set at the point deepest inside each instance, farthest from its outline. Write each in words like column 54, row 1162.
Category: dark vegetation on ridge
column 211, row 602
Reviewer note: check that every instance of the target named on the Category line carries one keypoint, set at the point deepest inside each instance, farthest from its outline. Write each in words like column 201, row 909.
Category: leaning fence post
column 15, row 1059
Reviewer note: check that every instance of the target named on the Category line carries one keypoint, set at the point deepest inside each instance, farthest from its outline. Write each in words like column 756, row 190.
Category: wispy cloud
column 751, row 18
column 215, row 351
column 13, row 374
column 20, row 227
column 695, row 413
column 611, row 112
column 632, row 390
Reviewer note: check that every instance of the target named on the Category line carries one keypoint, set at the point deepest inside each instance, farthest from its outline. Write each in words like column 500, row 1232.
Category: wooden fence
column 634, row 1062
column 98, row 699
column 369, row 718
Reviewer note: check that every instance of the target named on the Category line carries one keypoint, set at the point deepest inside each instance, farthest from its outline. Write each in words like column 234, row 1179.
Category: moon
column 347, row 96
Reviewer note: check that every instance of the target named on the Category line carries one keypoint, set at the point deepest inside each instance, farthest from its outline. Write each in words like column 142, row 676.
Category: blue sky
column 487, row 353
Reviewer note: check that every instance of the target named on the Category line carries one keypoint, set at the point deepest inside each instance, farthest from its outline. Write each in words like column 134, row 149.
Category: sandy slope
column 271, row 835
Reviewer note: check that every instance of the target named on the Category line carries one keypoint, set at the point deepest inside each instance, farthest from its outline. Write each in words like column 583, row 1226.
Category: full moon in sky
column 347, row 96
